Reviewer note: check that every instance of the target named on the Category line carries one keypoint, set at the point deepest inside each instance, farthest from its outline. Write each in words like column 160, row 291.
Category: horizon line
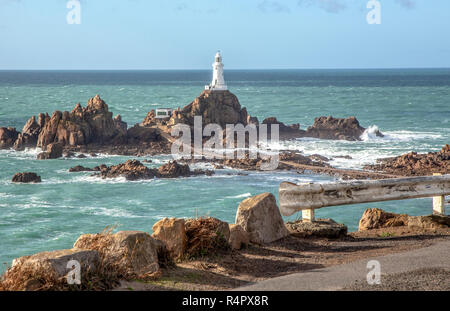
column 231, row 69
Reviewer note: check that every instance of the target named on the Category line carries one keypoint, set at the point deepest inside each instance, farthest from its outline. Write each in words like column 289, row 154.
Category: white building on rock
column 218, row 81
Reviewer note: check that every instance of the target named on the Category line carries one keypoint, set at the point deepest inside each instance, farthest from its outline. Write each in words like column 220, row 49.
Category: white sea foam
column 244, row 195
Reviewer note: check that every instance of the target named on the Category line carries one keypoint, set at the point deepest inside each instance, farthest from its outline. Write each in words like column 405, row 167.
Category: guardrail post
column 308, row 215
column 438, row 202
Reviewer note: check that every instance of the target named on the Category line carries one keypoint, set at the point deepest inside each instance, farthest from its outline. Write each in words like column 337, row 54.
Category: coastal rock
column 46, row 269
column 174, row 170
column 82, row 126
column 7, row 137
column 285, row 131
column 127, row 253
column 30, row 133
column 206, row 235
column 238, row 237
column 260, row 217
column 336, row 128
column 139, row 134
column 131, row 170
column 80, row 168
column 54, row 151
column 327, row 228
column 375, row 218
column 220, row 107
column 26, row 177
column 172, row 232
column 416, row 164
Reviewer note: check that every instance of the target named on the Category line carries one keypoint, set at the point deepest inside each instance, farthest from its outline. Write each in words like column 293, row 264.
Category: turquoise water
column 412, row 107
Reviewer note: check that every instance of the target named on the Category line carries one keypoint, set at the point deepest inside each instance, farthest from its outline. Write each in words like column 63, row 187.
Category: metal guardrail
column 307, row 197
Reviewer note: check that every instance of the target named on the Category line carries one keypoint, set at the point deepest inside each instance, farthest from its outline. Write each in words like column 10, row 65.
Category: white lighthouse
column 218, row 82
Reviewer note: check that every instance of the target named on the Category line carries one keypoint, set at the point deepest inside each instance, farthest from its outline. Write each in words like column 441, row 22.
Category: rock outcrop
column 128, row 253
column 260, row 217
column 8, row 136
column 26, row 177
column 135, row 170
column 82, row 126
column 220, row 107
column 416, row 164
column 172, row 232
column 285, row 131
column 54, row 151
column 336, row 128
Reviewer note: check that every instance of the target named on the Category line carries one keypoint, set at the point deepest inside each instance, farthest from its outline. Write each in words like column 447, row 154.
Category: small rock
column 238, row 237
column 80, row 168
column 26, row 177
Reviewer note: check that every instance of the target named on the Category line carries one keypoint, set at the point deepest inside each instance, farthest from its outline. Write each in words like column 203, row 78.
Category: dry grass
column 204, row 237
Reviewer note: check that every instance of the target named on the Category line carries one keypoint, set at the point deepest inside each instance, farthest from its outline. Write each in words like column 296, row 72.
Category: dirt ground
column 226, row 270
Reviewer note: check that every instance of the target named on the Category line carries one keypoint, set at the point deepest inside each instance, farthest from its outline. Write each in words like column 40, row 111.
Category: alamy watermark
column 374, row 15
column 374, row 274
column 74, row 275
column 238, row 141
column 74, row 15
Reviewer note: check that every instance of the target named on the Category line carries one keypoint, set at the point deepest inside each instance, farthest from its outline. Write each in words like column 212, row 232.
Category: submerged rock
column 26, row 177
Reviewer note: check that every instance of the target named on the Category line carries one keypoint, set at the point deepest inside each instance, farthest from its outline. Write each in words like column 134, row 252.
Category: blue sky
column 252, row 34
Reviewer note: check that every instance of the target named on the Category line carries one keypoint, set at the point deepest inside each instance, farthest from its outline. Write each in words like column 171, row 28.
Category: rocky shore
column 220, row 255
column 94, row 129
column 415, row 164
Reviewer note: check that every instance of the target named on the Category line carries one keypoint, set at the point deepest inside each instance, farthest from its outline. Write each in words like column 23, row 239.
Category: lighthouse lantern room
column 218, row 81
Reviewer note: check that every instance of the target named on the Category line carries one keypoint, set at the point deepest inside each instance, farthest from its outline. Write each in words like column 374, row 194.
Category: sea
column 410, row 106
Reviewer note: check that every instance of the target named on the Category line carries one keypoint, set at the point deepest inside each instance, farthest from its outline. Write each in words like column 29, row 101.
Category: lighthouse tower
column 218, row 82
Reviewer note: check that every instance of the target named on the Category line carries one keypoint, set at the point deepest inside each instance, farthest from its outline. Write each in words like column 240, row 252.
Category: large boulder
column 238, row 237
column 48, row 270
column 260, row 217
column 172, row 232
column 128, row 253
column 53, row 151
column 375, row 218
column 27, row 177
column 327, row 228
column 7, row 137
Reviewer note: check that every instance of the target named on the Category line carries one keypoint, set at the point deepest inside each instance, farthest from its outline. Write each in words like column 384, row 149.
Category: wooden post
column 438, row 202
column 308, row 215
